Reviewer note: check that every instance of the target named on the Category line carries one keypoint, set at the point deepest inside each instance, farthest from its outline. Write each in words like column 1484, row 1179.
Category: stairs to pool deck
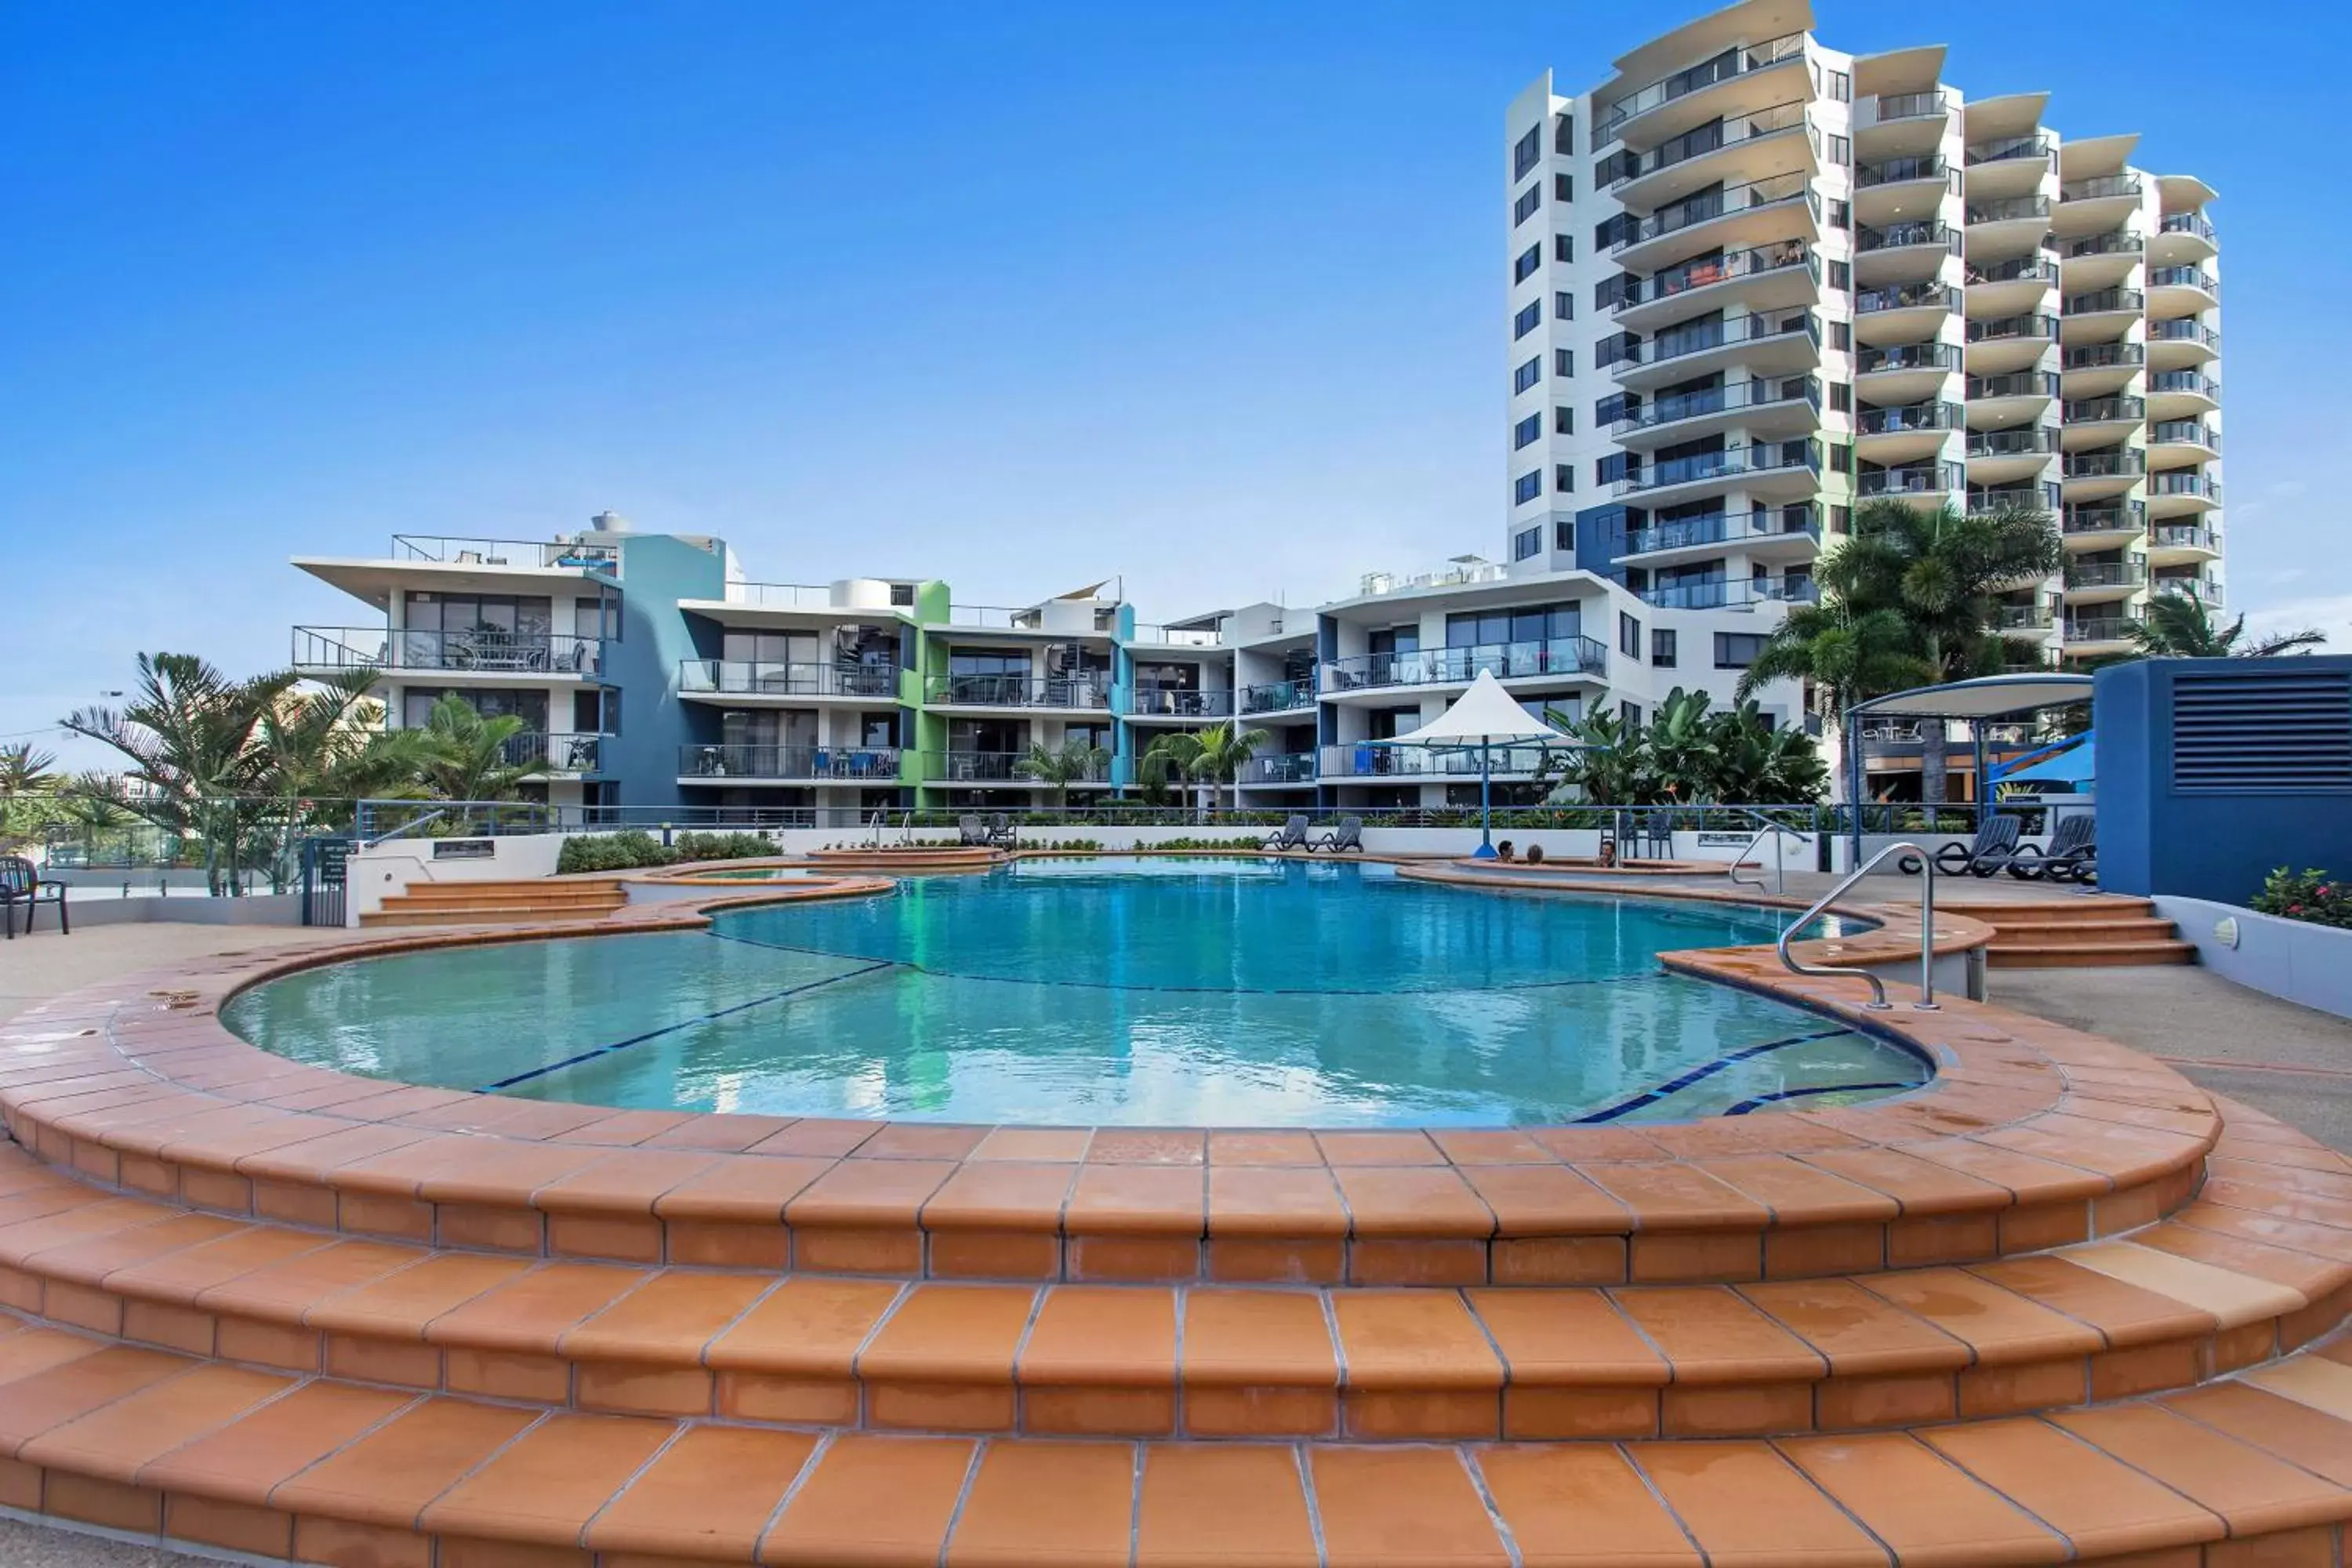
column 484, row 903
column 2094, row 929
column 2062, row 1306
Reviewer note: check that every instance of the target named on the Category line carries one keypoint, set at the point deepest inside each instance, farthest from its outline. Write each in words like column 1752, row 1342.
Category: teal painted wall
column 657, row 571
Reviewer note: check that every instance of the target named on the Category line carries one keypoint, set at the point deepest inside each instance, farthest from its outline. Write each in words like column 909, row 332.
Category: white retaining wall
column 375, row 873
column 2294, row 961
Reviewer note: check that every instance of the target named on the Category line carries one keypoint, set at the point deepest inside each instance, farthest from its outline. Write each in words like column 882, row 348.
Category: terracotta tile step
column 2010, row 933
column 600, row 887
column 2036, row 954
column 393, row 914
column 2001, row 911
column 2251, row 1471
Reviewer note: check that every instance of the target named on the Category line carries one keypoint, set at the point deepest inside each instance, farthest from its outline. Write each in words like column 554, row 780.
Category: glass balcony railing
column 1178, row 637
column 2184, row 536
column 2178, row 483
column 2116, row 465
column 2116, row 242
column 1365, row 759
column 1708, row 205
column 2202, row 589
column 2036, row 440
column 2038, row 267
column 2101, row 629
column 2010, row 148
column 1900, row 171
column 994, row 767
column 2183, row 278
column 2114, row 517
column 1909, row 105
column 2099, row 188
column 1721, row 528
column 1984, row 500
column 2105, row 300
column 1907, row 297
column 2185, row 330
column 1739, row 330
column 2195, row 223
column 2039, row 615
column 1911, row 479
column 555, row 754
column 1710, row 270
column 1907, row 356
column 780, row 678
column 1284, row 768
column 2016, row 384
column 2194, row 383
column 1709, row 138
column 2006, row 210
column 774, row 762
column 1896, row 236
column 1910, row 417
column 2184, row 432
column 1278, row 696
column 1090, row 690
column 1730, row 399
column 1564, row 656
column 487, row 650
column 2101, row 356
column 1760, row 459
column 1177, row 702
column 1727, row 593
column 1608, row 123
column 2107, row 574
column 2103, row 410
column 2000, row 328
column 557, row 554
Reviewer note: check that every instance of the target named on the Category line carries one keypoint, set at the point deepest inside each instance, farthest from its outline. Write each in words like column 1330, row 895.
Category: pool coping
column 2028, row 1134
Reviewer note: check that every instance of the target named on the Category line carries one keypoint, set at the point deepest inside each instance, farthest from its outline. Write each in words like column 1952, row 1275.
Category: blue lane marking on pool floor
column 605, row 1050
column 1761, row 1100
column 1699, row 1074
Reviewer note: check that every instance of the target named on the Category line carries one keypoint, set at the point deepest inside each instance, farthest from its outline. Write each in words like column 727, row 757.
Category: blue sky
column 1206, row 295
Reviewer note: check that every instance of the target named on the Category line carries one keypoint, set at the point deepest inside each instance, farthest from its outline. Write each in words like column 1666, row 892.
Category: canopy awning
column 1985, row 696
column 2076, row 764
column 1482, row 715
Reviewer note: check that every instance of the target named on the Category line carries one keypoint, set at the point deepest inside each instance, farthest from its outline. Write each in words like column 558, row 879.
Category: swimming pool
column 1106, row 992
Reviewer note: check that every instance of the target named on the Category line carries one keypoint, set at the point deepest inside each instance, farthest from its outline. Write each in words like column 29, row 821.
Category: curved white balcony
column 1891, row 189
column 2102, row 260
column 1765, row 277
column 2006, row 224
column 2003, row 344
column 2183, row 238
column 2101, row 421
column 2102, row 525
column 1783, row 207
column 1929, row 484
column 1776, row 471
column 1899, row 124
column 2180, row 543
column 2102, row 316
column 2103, row 633
column 2181, row 344
column 1733, row 151
column 2010, row 166
column 2180, row 443
column 1903, row 312
column 1783, row 405
column 1903, row 373
column 1761, row 345
column 2182, row 492
column 2181, row 289
column 2100, row 370
column 2100, row 202
column 2201, row 587
column 2092, row 582
column 1902, row 252
column 2181, row 393
column 2009, row 398
column 1906, row 432
column 2101, row 474
column 1787, row 533
column 2003, row 457
column 1739, row 80
column 2019, row 286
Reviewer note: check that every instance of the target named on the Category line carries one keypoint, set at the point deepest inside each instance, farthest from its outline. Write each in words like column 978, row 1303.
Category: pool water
column 1107, row 992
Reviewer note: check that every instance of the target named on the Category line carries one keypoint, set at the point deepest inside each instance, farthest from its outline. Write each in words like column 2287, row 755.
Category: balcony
column 2105, row 411
column 2093, row 370
column 1789, row 265
column 1088, row 692
column 2104, row 187
column 2178, row 345
column 2201, row 588
column 2038, row 384
column 2105, row 303
column 758, row 678
column 560, row 753
column 1901, row 123
column 2112, row 242
column 1364, row 760
column 2085, row 523
column 2186, row 235
column 483, row 651
column 806, row 764
column 1759, row 343
column 1628, row 169
column 1284, row 768
column 2031, row 214
column 2036, row 147
column 1610, row 124
column 1741, row 397
column 2031, row 441
column 2102, row 577
column 2176, row 394
column 2127, row 463
column 1910, row 417
column 1998, row 345
column 954, row 767
column 2183, row 490
column 2105, row 201
column 785, row 596
column 1770, row 196
column 1726, row 594
column 1912, row 481
column 2102, row 628
column 1715, row 527
column 1278, row 696
column 2039, row 615
column 1177, row 702
column 2037, row 268
column 1901, row 172
column 1999, row 329
column 1905, row 372
column 2174, row 539
column 2191, row 439
column 2037, row 496
column 1939, row 296
column 1868, row 241
column 2182, row 290
column 1709, row 468
column 1178, row 637
column 541, row 555
column 1555, row 657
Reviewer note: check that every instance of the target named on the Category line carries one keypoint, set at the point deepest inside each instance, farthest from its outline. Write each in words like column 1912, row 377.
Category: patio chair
column 1292, row 836
column 2073, row 854
column 1348, row 835
column 1655, row 835
column 21, row 884
column 1993, row 849
column 1001, row 831
column 971, row 831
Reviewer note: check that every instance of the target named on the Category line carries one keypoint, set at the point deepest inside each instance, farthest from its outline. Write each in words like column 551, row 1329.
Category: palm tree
column 1078, row 760
column 1208, row 757
column 469, row 756
column 1606, row 769
column 2179, row 627
column 1843, row 655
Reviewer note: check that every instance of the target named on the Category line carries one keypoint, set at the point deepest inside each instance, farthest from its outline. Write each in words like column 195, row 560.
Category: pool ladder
column 1877, row 1003
column 1779, row 860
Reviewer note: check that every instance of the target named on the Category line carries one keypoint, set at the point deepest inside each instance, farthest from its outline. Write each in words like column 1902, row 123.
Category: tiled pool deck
column 2059, row 1302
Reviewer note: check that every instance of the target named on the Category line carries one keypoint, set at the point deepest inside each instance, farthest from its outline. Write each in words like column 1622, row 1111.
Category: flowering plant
column 2306, row 894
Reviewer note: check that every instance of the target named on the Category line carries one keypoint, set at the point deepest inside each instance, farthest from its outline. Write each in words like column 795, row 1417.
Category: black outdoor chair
column 1348, row 835
column 1655, row 835
column 1292, row 836
column 971, row 830
column 1001, row 831
column 1994, row 849
column 21, row 884
column 2072, row 855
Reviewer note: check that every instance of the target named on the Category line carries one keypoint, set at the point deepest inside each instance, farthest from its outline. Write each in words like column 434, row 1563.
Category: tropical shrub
column 1688, row 755
column 634, row 848
column 2312, row 896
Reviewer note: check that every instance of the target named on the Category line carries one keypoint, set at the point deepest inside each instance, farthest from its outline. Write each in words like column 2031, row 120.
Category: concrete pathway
column 43, row 965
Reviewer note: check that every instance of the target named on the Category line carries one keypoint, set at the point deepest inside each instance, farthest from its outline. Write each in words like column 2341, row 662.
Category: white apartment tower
column 1755, row 282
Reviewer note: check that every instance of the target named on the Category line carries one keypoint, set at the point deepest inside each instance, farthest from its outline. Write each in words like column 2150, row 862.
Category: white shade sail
column 1484, row 713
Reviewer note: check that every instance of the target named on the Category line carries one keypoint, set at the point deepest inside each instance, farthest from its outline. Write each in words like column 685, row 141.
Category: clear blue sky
column 1204, row 294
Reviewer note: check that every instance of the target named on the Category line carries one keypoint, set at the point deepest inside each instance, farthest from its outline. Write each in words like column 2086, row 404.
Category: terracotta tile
column 1490, row 1146
column 2124, row 1313
column 1148, row 1146
column 67, row 1390
column 1746, row 1506
column 2256, row 1492
column 1414, row 1202
column 877, row 1500
column 1799, row 1194
column 868, row 1193
column 744, row 1191
column 2028, row 1178
column 550, row 1482
column 1237, row 1504
column 1557, row 1337
column 669, row 1317
column 1560, row 1260
column 115, row 1441
column 398, row 1306
column 258, row 1532
column 2232, row 1297
column 721, row 1132
column 99, row 1257
column 1667, row 1195
column 1571, row 1505
column 1103, row 1335
column 1413, row 1338
column 2307, row 1276
column 818, row 1137
column 2101, row 1506
column 1999, row 1326
column 1921, row 1186
column 1001, row 1196
column 1548, row 1200
column 284, row 1289
column 808, row 1326
column 241, row 1462
column 101, row 1502
column 1379, row 1148
column 1274, row 1201
column 1129, row 1200
column 1708, row 1334
column 1382, row 1506
column 1861, row 1335
column 1264, row 1149
column 950, row 1333
column 1239, row 1338
column 387, row 1477
column 183, row 1274
column 708, row 1495
column 921, row 1141
column 1046, row 1502
column 625, row 1128
column 624, row 1180
column 2312, row 1437
column 531, row 1311
column 1054, row 1145
column 1917, row 1503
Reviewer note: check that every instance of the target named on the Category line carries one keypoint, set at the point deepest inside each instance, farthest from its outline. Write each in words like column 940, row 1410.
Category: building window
column 1563, row 136
column 1529, row 542
column 1841, row 87
column 1563, row 536
column 1527, row 487
column 1662, row 648
column 1563, row 187
column 1563, row 421
column 1563, row 479
column 1841, row 214
column 1841, row 457
column 1841, row 336
column 1563, row 306
column 1527, row 374
column 1629, row 635
column 1840, row 276
column 1527, row 320
column 1615, row 406
column 1612, row 348
column 1841, row 520
column 1525, row 207
column 1612, row 291
column 1528, row 153
column 1612, row 230
column 1563, row 362
column 1736, row 651
column 1840, row 397
column 1527, row 432
column 1563, row 247
column 1632, row 713
column 1525, row 267
column 1616, row 466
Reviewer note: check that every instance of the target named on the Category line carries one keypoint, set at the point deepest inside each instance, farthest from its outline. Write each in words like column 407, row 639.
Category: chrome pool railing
column 1877, row 1003
column 1779, row 861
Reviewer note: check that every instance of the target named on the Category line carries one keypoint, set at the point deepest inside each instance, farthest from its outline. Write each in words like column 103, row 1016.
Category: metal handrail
column 1779, row 865
column 1877, row 1003
column 406, row 828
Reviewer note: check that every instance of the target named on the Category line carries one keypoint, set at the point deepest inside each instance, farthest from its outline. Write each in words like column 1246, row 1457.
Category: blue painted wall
column 2217, row 842
column 657, row 571
column 1600, row 540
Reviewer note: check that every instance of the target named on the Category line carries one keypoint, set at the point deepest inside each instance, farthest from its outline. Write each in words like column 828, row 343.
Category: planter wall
column 2294, row 961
